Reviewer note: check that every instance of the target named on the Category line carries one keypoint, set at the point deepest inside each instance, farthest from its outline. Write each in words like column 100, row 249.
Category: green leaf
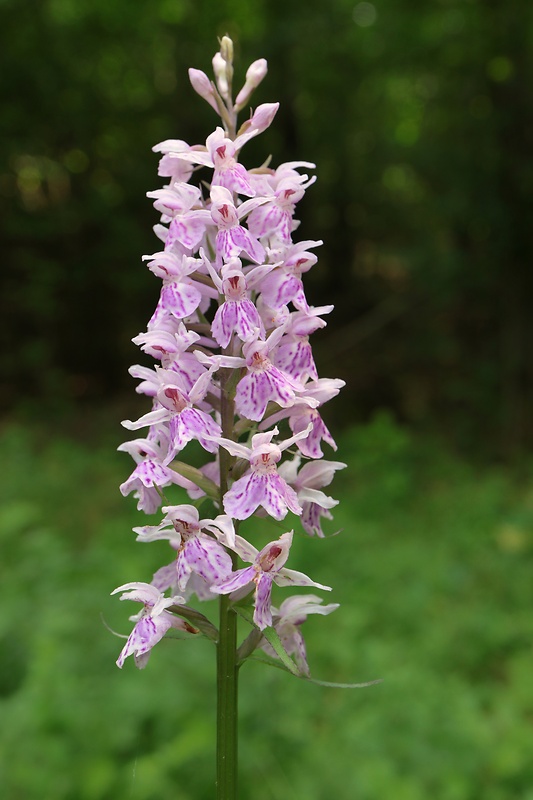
column 265, row 659
column 197, row 477
column 342, row 685
column 273, row 639
column 198, row 619
column 249, row 645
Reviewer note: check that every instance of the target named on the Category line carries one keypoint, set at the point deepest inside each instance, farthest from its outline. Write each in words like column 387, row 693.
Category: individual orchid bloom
column 288, row 620
column 227, row 171
column 181, row 206
column 263, row 381
column 170, row 164
column 261, row 485
column 260, row 120
column 180, row 295
column 308, row 482
column 267, row 567
column 174, row 357
column 176, row 407
column 197, row 551
column 294, row 354
column 149, row 474
column 220, row 154
column 275, row 216
column 237, row 314
column 151, row 623
column 232, row 238
column 307, row 417
column 284, row 285
column 171, row 348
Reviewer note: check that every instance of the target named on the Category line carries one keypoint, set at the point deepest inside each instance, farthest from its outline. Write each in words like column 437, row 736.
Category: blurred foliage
column 433, row 573
column 420, row 121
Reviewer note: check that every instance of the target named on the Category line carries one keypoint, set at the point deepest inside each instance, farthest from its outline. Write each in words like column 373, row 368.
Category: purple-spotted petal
column 262, row 611
column 192, row 423
column 296, row 358
column 187, row 230
column 244, row 497
column 256, row 389
column 165, row 577
column 310, row 446
column 206, row 557
column 311, row 518
column 236, row 316
column 238, row 580
column 180, row 299
column 147, row 632
column 280, row 497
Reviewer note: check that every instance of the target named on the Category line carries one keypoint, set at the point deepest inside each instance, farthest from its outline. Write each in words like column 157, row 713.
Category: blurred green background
column 420, row 120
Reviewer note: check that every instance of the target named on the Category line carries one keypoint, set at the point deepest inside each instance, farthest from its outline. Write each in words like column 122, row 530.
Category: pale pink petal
column 290, row 577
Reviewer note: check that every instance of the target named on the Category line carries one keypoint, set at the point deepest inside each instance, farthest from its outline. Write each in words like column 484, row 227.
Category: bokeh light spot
column 364, row 14
column 500, row 69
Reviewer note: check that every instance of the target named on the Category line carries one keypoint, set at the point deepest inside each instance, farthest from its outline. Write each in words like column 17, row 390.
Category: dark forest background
column 419, row 118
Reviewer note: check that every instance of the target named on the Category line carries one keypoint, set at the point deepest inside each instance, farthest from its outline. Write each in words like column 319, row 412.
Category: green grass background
column 432, row 570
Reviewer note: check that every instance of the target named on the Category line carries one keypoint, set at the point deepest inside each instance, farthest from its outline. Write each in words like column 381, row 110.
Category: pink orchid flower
column 267, row 568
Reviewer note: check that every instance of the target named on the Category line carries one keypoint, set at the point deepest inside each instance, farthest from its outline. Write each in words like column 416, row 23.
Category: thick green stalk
column 227, row 703
column 227, row 669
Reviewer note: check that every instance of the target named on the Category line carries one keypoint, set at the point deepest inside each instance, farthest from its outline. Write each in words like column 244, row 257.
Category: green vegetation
column 433, row 572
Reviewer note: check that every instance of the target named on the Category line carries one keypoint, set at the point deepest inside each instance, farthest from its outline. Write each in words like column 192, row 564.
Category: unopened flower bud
column 263, row 116
column 258, row 122
column 220, row 70
column 226, row 49
column 203, row 86
column 254, row 75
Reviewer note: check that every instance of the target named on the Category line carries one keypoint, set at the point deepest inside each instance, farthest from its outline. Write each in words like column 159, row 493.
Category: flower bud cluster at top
column 230, row 334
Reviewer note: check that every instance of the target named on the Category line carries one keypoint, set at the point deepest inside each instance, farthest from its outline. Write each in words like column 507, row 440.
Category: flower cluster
column 230, row 335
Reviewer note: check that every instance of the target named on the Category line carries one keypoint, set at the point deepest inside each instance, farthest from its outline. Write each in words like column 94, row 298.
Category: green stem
column 227, row 667
column 227, row 671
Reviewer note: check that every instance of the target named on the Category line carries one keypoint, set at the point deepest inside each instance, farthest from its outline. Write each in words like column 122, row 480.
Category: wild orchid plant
column 234, row 361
